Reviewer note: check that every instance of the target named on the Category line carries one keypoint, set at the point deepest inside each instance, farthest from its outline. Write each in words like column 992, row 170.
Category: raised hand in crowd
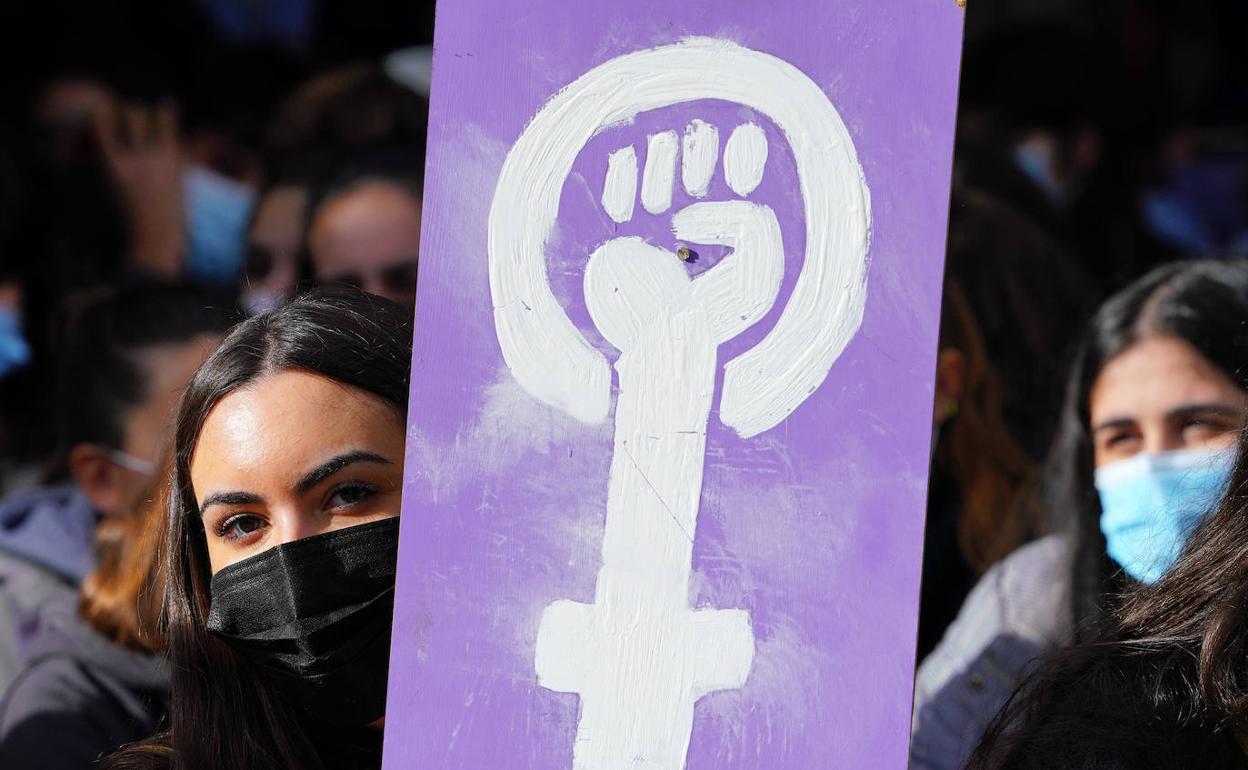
column 140, row 147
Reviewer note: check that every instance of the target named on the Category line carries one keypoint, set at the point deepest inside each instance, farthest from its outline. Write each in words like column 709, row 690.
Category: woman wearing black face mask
column 282, row 539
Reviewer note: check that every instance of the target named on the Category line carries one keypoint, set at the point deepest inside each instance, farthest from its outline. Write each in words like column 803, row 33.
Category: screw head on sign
column 684, row 253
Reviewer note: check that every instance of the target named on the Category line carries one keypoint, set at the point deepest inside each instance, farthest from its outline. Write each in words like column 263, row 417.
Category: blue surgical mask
column 1150, row 503
column 218, row 210
column 14, row 350
column 1035, row 160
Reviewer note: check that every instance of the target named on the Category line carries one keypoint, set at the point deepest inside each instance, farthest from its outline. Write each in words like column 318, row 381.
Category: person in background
column 1030, row 300
column 17, row 473
column 1039, row 132
column 273, row 269
column 107, row 182
column 14, row 349
column 1156, row 396
column 352, row 107
column 287, row 481
column 358, row 138
column 167, row 202
column 185, row 218
column 979, row 477
column 364, row 227
column 93, row 678
column 1164, row 686
column 127, row 356
column 15, row 352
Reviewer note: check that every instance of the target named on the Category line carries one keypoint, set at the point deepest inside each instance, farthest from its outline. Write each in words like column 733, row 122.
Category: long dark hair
column 223, row 713
column 1202, row 303
column 991, row 469
column 1166, row 686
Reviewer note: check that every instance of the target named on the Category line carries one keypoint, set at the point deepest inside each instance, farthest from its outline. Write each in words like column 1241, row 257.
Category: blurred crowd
column 167, row 169
column 246, row 149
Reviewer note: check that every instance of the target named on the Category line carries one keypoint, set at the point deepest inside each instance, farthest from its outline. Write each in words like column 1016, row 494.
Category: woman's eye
column 350, row 494
column 1199, row 430
column 238, row 527
column 1118, row 440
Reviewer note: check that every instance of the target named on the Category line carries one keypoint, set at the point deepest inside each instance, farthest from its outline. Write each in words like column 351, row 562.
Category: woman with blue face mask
column 1163, row 686
column 1163, row 421
column 1156, row 396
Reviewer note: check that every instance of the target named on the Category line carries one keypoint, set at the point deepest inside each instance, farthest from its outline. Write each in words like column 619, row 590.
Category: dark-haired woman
column 282, row 540
column 1156, row 397
column 1166, row 686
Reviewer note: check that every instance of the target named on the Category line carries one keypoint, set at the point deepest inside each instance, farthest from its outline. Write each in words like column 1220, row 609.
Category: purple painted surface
column 814, row 527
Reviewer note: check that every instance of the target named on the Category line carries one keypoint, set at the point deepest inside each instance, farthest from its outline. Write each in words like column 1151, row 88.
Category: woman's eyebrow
column 1195, row 410
column 1118, row 422
column 230, row 498
column 329, row 468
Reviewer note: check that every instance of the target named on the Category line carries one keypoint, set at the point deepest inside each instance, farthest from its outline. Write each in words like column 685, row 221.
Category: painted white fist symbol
column 629, row 281
column 548, row 354
column 744, row 159
column 639, row 656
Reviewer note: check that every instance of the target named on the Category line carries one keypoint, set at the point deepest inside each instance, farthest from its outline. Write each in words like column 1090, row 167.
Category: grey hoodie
column 79, row 696
column 47, row 546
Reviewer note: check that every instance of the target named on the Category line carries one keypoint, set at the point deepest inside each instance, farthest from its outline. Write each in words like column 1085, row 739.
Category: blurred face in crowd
column 273, row 245
column 1161, row 395
column 68, row 111
column 119, row 480
column 292, row 455
column 368, row 237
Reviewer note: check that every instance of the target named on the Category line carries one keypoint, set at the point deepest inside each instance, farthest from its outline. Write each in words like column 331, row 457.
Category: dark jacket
column 47, row 547
column 79, row 696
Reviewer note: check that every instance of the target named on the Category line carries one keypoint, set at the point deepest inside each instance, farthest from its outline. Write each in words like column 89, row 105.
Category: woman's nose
column 1161, row 440
column 296, row 527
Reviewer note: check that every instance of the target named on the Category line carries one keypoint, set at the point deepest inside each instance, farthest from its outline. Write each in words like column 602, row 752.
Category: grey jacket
column 79, row 696
column 1018, row 611
column 47, row 546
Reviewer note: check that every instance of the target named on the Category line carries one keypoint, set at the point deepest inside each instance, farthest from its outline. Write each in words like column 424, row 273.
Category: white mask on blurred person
column 131, row 463
column 1035, row 159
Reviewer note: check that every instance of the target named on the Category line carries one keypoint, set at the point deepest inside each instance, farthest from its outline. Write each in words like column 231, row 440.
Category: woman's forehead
column 281, row 423
column 1155, row 376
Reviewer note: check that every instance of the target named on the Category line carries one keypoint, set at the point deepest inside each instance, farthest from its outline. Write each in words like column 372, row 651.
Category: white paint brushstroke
column 551, row 358
column 619, row 190
column 653, row 276
column 745, row 157
column 738, row 291
column 656, row 186
column 699, row 151
column 639, row 656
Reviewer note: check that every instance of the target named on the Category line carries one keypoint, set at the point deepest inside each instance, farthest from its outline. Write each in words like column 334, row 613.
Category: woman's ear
column 950, row 384
column 98, row 477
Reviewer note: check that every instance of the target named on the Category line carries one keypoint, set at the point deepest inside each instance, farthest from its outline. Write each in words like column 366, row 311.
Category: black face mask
column 315, row 615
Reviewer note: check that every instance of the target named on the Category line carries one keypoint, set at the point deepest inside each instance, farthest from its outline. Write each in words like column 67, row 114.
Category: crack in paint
column 658, row 496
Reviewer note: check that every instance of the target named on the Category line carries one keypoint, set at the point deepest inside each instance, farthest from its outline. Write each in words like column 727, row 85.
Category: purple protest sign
column 672, row 384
